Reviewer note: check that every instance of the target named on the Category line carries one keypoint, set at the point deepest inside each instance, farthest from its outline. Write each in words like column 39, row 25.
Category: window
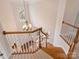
column 21, row 11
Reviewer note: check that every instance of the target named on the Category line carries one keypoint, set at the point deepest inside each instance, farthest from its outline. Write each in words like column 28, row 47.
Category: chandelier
column 27, row 26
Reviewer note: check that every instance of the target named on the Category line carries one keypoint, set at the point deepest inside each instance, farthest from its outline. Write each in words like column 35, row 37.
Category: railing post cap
column 3, row 32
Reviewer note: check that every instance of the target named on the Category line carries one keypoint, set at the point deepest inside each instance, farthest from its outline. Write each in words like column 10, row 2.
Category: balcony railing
column 70, row 34
column 26, row 42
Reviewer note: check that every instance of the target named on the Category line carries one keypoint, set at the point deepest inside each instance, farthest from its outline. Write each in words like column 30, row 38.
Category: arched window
column 21, row 10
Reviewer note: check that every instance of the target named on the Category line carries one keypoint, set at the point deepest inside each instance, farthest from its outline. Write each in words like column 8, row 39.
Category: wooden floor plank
column 55, row 52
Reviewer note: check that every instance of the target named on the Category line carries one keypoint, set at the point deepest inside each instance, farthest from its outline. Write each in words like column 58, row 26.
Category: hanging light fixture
column 27, row 26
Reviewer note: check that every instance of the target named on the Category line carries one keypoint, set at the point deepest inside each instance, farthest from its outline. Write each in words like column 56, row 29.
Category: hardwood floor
column 55, row 52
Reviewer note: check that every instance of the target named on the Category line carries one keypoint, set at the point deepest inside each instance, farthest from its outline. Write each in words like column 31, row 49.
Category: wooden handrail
column 70, row 25
column 44, row 32
column 21, row 32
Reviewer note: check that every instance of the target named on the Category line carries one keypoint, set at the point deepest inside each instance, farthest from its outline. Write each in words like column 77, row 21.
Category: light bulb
column 30, row 26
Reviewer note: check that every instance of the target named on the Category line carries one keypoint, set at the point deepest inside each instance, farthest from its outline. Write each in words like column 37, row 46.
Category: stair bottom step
column 38, row 55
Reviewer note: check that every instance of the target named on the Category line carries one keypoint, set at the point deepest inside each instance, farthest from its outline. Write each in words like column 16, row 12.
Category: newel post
column 76, row 37
column 46, row 39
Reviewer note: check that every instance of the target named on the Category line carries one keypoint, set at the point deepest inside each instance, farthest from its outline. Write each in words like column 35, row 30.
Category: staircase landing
column 55, row 52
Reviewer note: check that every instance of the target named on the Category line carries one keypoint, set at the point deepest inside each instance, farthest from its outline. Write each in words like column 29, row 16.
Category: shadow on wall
column 77, row 19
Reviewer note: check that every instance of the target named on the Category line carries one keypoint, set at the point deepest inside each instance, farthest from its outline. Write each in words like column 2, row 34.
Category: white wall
column 7, row 18
column 9, row 14
column 58, row 41
column 77, row 19
column 4, row 47
column 77, row 14
column 43, row 14
column 72, row 8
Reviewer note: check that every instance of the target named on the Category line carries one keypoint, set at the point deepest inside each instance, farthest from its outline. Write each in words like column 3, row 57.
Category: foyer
column 39, row 29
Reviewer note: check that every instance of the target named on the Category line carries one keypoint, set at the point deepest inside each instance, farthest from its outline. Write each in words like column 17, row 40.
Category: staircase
column 38, row 55
column 27, row 44
column 70, row 34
